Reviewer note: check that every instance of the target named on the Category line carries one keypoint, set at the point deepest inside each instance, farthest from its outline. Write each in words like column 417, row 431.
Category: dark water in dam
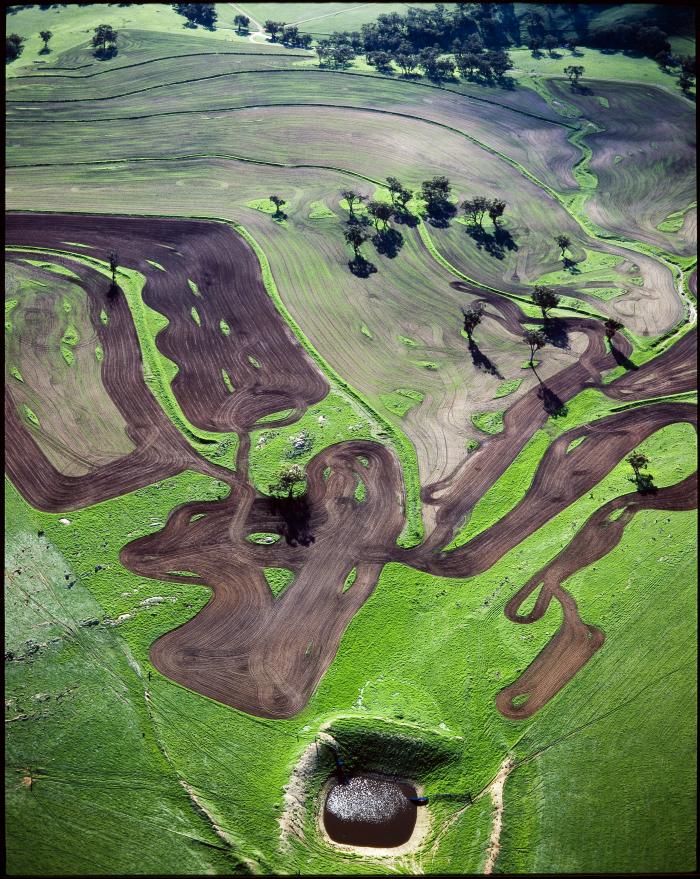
column 370, row 810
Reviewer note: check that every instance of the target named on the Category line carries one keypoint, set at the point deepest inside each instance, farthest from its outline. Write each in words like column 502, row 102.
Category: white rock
column 64, row 521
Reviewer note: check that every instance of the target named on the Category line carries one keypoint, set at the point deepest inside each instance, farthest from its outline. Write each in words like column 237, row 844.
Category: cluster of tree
column 647, row 39
column 14, row 44
column 336, row 51
column 474, row 61
column 476, row 209
column 198, row 13
column 684, row 66
column 104, row 41
column 287, row 34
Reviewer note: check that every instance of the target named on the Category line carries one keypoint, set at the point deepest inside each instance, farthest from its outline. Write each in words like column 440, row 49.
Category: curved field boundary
column 288, row 72
column 572, row 204
column 404, row 448
column 152, row 61
column 153, row 373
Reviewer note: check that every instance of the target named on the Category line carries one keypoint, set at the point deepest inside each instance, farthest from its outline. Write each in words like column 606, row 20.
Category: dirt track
column 246, row 648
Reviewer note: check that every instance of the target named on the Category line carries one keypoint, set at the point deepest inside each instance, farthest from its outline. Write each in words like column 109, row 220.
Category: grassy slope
column 76, row 719
column 377, row 671
column 606, row 786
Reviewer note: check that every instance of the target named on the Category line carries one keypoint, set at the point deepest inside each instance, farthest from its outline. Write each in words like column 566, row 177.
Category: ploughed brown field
column 246, row 648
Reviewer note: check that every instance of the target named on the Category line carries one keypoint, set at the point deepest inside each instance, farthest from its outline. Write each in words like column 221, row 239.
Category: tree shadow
column 295, row 513
column 405, row 218
column 506, row 82
column 45, row 51
column 553, row 405
column 579, row 89
column 495, row 243
column 644, row 483
column 280, row 216
column 361, row 267
column 571, row 266
column 388, row 242
column 481, row 361
column 439, row 213
column 556, row 333
column 621, row 359
column 112, row 291
column 106, row 54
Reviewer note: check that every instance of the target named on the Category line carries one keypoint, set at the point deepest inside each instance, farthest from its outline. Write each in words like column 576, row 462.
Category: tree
column 475, row 209
column 242, row 22
column 496, row 209
column 468, row 63
column 472, row 318
column 399, row 195
column 356, row 236
column 351, row 197
column 545, row 298
column 686, row 81
column 563, row 242
column 535, row 45
column 550, row 43
column 197, row 13
column 45, row 36
column 612, row 326
column 13, row 47
column 574, row 72
column 436, row 190
column 113, row 265
column 289, row 477
column 290, row 35
column 277, row 202
column 637, row 462
column 380, row 60
column 382, row 213
column 500, row 62
column 273, row 28
column 536, row 340
column 571, row 45
column 104, row 33
column 407, row 62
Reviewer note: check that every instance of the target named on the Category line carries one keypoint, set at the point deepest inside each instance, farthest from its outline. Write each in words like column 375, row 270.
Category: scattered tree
column 114, row 265
column 550, row 43
column 14, row 44
column 356, row 236
column 545, row 298
column 289, row 477
column 496, row 210
column 612, row 326
column 382, row 213
column 536, row 340
column 574, row 72
column 273, row 28
column 563, row 243
column 104, row 35
column 45, row 36
column 472, row 318
column 242, row 23
column 637, row 462
column 277, row 202
column 351, row 197
column 436, row 190
column 475, row 209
